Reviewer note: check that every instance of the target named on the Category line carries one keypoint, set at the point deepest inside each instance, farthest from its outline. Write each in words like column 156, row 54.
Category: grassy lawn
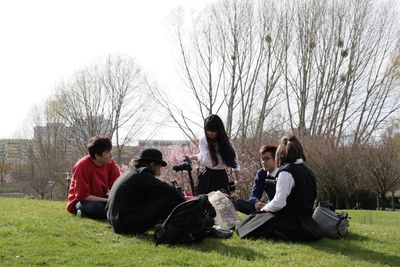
column 42, row 233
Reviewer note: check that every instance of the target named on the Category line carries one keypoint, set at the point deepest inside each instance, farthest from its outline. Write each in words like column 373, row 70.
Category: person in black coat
column 138, row 200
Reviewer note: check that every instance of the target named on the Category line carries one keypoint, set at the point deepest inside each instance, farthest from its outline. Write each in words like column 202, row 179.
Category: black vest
column 301, row 198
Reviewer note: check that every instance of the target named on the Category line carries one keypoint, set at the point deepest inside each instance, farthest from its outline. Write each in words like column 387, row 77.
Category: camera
column 185, row 166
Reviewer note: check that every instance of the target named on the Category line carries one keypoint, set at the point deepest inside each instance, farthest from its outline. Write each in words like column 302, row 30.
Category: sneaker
column 79, row 213
column 219, row 233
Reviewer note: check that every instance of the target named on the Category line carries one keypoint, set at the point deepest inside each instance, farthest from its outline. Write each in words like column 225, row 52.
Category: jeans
column 92, row 209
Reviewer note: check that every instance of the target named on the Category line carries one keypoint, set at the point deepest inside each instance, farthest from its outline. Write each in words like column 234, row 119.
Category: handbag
column 333, row 224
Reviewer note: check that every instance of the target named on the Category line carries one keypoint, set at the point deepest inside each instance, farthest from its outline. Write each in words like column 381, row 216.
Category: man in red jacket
column 92, row 178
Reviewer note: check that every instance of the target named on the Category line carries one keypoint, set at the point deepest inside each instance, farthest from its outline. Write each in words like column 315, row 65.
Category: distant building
column 49, row 131
column 127, row 154
column 161, row 143
column 93, row 125
column 15, row 150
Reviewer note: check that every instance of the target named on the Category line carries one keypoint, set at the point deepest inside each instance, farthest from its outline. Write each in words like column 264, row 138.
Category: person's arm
column 284, row 185
column 258, row 187
column 96, row 198
column 194, row 157
column 237, row 168
column 203, row 150
column 162, row 189
column 113, row 174
column 81, row 182
column 238, row 177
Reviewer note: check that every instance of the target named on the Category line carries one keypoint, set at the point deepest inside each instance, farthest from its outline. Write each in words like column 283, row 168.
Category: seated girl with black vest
column 288, row 216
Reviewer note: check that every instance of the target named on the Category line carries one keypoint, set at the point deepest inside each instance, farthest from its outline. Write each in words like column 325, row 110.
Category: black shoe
column 220, row 233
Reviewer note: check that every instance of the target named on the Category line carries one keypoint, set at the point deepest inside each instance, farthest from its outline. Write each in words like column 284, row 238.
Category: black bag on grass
column 188, row 222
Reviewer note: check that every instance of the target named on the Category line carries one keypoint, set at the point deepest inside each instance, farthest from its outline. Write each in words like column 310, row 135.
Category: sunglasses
column 266, row 158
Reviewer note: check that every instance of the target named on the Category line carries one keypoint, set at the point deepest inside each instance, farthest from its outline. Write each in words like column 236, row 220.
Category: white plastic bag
column 226, row 217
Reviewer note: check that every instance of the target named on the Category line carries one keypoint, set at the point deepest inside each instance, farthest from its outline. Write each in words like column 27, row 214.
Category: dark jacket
column 134, row 190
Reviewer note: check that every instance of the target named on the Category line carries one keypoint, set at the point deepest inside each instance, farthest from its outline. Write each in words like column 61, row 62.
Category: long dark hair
column 289, row 151
column 214, row 123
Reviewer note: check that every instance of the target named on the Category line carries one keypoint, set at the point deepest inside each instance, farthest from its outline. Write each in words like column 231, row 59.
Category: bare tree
column 5, row 168
column 129, row 103
column 335, row 64
column 51, row 154
column 343, row 80
column 107, row 99
column 382, row 169
column 230, row 66
column 81, row 105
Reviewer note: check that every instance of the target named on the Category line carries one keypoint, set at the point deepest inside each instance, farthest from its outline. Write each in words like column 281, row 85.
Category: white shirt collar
column 299, row 161
column 273, row 174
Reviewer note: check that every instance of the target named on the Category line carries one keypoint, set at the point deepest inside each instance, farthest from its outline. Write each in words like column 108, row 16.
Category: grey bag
column 333, row 224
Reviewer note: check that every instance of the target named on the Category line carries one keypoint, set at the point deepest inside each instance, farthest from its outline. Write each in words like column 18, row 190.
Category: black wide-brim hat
column 152, row 155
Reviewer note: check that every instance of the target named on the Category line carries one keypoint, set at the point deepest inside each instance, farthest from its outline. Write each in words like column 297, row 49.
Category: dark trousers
column 92, row 209
column 244, row 206
column 287, row 226
column 145, row 218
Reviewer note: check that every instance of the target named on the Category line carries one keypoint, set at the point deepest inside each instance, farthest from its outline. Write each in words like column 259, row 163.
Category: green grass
column 42, row 233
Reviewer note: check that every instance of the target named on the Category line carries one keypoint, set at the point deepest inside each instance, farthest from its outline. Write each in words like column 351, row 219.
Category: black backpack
column 188, row 222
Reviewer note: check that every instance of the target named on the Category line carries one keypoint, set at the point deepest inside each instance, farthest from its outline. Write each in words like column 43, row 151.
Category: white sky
column 45, row 41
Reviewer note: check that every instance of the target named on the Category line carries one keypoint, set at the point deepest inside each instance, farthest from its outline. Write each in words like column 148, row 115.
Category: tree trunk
column 393, row 201
column 378, row 202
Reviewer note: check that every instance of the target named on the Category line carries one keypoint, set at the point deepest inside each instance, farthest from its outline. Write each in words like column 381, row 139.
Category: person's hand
column 259, row 205
column 185, row 158
column 192, row 157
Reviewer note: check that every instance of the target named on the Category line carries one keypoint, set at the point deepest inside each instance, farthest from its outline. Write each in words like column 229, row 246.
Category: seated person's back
column 138, row 200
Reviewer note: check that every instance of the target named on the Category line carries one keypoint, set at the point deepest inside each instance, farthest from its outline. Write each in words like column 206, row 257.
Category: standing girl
column 216, row 154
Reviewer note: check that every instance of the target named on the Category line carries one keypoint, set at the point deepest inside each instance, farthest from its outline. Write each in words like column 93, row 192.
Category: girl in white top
column 288, row 216
column 216, row 153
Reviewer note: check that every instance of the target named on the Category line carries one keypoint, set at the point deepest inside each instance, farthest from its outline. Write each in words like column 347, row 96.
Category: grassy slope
column 42, row 233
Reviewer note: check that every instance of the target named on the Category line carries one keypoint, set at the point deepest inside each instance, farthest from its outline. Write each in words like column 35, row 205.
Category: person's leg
column 244, row 206
column 147, row 217
column 92, row 209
